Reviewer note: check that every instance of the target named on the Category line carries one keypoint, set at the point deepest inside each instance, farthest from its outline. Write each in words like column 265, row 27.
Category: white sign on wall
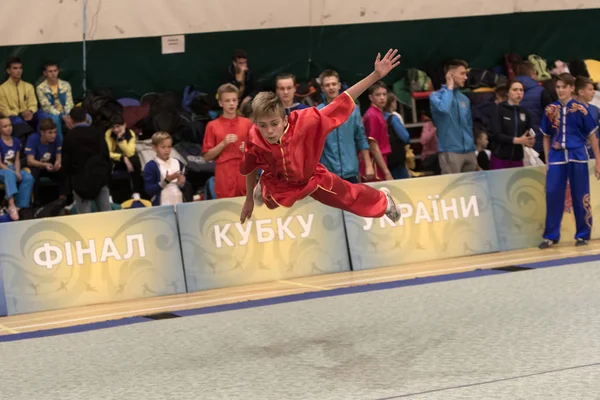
column 173, row 44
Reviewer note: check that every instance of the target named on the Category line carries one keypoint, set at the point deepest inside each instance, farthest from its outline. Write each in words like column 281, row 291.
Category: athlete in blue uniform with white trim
column 567, row 126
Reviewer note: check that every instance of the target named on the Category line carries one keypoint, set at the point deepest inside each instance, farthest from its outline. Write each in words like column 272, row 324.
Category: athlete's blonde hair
column 267, row 103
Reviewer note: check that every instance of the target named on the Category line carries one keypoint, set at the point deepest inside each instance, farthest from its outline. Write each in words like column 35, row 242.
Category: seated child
column 481, row 150
column 17, row 184
column 164, row 176
column 44, row 156
column 121, row 145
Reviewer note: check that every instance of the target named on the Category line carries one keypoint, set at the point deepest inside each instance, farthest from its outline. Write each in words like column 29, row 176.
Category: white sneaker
column 257, row 194
column 393, row 212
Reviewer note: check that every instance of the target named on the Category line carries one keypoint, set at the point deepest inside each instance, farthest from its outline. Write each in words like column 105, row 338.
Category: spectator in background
column 164, row 176
column 44, row 158
column 17, row 183
column 86, row 162
column 481, row 150
column 429, row 152
column 451, row 112
column 17, row 99
column 222, row 142
column 484, row 113
column 121, row 146
column 584, row 93
column 535, row 99
column 240, row 75
column 567, row 127
column 285, row 87
column 398, row 137
column 377, row 134
column 343, row 144
column 56, row 98
column 511, row 130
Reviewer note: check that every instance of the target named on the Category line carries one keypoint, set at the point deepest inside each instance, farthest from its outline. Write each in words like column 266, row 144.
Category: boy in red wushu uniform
column 222, row 143
column 288, row 150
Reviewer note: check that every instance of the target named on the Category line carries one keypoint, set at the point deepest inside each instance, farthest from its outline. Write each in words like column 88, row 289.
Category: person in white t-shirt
column 164, row 176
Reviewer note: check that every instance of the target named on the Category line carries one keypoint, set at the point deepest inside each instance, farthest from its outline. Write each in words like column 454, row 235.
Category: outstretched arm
column 382, row 67
column 339, row 110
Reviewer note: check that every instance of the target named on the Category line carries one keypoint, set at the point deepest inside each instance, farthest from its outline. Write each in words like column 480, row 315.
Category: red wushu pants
column 333, row 191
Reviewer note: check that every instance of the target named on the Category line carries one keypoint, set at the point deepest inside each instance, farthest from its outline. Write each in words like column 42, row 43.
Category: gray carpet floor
column 523, row 335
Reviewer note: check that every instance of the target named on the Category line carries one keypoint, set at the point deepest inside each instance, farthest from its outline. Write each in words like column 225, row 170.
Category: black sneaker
column 393, row 214
column 546, row 244
column 581, row 242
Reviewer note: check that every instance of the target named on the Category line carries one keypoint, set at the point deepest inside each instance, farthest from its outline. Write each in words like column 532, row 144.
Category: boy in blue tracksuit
column 567, row 126
column 345, row 142
column 451, row 112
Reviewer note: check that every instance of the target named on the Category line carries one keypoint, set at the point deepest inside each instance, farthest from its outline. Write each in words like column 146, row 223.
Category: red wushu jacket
column 291, row 168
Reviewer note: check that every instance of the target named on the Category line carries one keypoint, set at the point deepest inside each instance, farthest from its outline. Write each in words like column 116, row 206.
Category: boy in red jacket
column 288, row 150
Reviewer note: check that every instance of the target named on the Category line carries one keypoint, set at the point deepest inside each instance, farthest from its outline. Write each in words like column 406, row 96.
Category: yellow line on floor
column 304, row 285
column 7, row 329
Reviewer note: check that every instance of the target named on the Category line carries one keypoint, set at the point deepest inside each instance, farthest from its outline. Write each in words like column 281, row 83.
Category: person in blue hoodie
column 451, row 111
column 535, row 99
column 342, row 146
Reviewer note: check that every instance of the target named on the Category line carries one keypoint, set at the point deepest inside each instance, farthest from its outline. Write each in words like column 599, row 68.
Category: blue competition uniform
column 569, row 127
column 595, row 113
column 8, row 154
column 42, row 152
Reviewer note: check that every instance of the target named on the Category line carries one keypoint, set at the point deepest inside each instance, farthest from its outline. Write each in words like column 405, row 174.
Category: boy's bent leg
column 23, row 198
column 556, row 183
column 580, row 192
column 358, row 199
column 136, row 177
column 9, row 179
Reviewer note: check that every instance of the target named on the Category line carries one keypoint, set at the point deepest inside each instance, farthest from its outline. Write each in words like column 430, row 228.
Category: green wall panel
column 136, row 66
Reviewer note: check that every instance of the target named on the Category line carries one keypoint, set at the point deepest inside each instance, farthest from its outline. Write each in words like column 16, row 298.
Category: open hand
column 384, row 65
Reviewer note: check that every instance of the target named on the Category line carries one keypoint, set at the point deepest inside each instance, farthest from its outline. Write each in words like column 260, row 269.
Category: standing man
column 240, row 75
column 376, row 130
column 567, row 126
column 451, row 111
column 285, row 86
column 343, row 144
